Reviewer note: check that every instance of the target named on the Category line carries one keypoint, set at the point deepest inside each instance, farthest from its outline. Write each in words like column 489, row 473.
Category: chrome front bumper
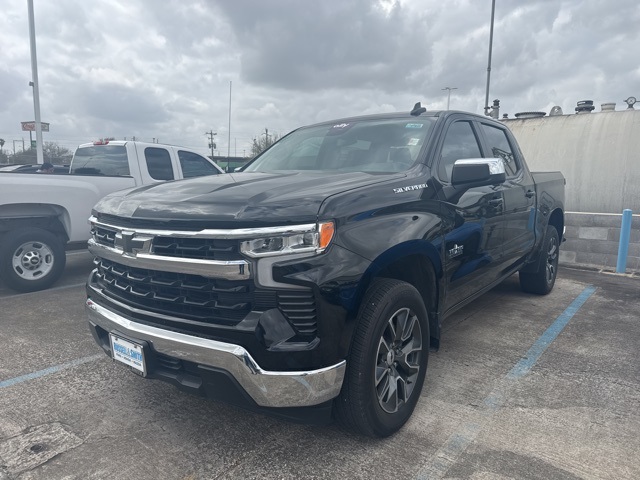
column 267, row 389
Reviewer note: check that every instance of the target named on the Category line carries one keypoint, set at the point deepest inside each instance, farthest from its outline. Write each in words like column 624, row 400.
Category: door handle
column 530, row 194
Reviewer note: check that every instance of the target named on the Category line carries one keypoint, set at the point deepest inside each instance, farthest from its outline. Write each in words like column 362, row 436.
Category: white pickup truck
column 41, row 213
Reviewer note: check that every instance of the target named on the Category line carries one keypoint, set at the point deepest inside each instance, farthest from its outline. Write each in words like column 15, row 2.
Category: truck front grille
column 179, row 247
column 103, row 236
column 186, row 296
column 198, row 248
column 300, row 309
column 200, row 301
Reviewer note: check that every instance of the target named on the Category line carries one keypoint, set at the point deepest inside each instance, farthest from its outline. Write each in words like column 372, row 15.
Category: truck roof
column 124, row 142
column 381, row 116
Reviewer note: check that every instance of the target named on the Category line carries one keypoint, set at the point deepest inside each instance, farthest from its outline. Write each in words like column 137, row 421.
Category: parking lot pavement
column 522, row 387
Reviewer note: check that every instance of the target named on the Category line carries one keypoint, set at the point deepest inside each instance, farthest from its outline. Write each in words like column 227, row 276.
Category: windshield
column 374, row 146
column 101, row 160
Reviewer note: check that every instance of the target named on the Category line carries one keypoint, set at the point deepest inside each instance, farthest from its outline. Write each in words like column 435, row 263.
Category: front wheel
column 31, row 259
column 542, row 281
column 387, row 362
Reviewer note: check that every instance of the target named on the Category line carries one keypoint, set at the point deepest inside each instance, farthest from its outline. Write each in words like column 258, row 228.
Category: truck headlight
column 315, row 240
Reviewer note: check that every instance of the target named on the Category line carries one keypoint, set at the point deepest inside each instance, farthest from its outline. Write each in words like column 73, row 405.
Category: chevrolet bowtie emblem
column 131, row 244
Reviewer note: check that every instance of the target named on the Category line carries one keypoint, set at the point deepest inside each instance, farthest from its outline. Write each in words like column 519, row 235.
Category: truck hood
column 255, row 198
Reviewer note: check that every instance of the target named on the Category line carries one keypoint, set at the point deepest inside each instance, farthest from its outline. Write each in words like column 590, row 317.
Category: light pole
column 486, row 98
column 36, row 91
column 449, row 94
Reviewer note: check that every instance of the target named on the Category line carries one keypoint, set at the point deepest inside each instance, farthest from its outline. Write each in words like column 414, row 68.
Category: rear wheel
column 31, row 259
column 542, row 281
column 387, row 362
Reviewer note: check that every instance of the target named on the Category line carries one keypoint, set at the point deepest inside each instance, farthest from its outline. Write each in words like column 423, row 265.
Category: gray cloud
column 324, row 45
column 162, row 70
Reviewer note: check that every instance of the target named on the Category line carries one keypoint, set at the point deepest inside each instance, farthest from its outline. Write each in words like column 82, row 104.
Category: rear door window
column 193, row 165
column 158, row 163
column 499, row 147
column 101, row 160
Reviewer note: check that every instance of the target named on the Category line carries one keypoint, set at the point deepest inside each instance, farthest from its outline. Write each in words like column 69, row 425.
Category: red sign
column 31, row 126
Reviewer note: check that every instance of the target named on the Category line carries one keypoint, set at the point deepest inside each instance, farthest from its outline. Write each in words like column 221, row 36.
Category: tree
column 55, row 153
column 264, row 141
column 51, row 151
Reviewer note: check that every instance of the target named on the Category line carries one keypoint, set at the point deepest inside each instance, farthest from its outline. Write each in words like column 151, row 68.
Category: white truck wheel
column 31, row 259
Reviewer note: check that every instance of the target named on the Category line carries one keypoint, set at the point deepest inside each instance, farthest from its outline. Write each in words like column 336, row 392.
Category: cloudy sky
column 161, row 69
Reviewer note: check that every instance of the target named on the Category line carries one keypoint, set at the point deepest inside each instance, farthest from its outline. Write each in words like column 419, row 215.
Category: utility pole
column 266, row 137
column 449, row 94
column 212, row 144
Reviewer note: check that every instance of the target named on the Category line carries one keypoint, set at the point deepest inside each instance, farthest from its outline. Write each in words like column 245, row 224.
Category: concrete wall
column 593, row 239
column 598, row 153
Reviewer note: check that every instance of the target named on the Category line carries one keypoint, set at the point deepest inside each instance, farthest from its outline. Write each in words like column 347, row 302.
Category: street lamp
column 449, row 94
column 486, row 98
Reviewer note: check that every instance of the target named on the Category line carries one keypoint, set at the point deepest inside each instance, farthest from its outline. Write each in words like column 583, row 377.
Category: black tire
column 542, row 281
column 31, row 259
column 367, row 406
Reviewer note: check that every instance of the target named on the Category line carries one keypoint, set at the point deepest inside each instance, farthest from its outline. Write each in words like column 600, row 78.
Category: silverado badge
column 456, row 250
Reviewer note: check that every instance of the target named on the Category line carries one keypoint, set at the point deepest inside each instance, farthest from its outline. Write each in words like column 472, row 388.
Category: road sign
column 33, row 144
column 31, row 126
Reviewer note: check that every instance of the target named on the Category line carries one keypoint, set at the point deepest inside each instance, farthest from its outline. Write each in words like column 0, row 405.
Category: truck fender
column 556, row 219
column 21, row 215
column 404, row 262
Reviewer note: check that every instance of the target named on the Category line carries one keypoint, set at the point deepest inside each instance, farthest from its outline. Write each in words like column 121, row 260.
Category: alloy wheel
column 398, row 360
column 552, row 259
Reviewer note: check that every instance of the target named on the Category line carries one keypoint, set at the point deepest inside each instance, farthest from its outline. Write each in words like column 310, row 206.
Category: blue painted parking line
column 50, row 370
column 457, row 443
column 531, row 357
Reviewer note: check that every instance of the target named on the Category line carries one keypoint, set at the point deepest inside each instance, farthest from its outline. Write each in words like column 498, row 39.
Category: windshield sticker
column 410, row 188
column 413, row 141
column 414, row 125
column 340, row 128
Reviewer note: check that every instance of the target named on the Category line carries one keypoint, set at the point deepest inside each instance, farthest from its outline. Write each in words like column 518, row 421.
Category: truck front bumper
column 266, row 388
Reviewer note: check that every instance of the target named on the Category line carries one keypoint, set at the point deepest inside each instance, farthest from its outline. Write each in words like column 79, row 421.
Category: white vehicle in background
column 40, row 214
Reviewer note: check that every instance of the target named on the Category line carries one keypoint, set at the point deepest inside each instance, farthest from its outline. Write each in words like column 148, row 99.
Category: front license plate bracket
column 129, row 353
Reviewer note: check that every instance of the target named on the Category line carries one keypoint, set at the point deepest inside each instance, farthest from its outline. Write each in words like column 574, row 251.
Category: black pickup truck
column 313, row 283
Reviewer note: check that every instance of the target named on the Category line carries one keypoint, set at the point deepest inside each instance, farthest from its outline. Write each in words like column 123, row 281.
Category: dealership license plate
column 129, row 353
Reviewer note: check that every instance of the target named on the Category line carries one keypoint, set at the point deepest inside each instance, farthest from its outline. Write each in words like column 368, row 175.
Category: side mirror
column 237, row 169
column 478, row 172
